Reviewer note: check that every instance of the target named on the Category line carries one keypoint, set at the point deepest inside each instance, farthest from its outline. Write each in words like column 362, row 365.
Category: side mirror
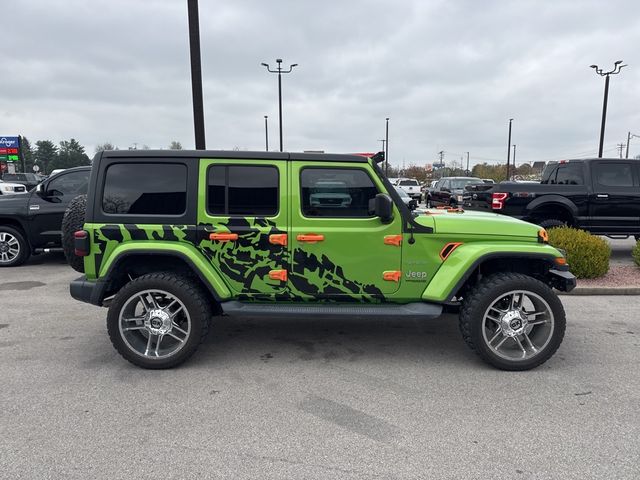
column 383, row 207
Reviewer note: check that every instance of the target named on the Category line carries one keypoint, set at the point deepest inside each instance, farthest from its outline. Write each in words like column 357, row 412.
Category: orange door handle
column 310, row 237
column 278, row 275
column 223, row 237
column 278, row 239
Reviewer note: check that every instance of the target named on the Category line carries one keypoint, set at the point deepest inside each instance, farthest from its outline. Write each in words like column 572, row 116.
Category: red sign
column 3, row 151
column 12, row 150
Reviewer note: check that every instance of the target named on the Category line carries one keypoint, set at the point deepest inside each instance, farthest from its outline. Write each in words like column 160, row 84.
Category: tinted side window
column 69, row 184
column 549, row 174
column 242, row 190
column 333, row 192
column 613, row 174
column 570, row 174
column 145, row 189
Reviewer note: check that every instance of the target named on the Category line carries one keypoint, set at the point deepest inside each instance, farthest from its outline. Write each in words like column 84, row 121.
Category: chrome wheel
column 518, row 325
column 154, row 324
column 9, row 247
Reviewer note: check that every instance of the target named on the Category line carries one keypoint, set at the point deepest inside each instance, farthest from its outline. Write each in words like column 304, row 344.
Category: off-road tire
column 552, row 223
column 72, row 221
column 484, row 293
column 25, row 249
column 195, row 300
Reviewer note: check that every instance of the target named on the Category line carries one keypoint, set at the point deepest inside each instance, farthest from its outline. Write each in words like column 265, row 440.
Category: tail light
column 81, row 243
column 497, row 200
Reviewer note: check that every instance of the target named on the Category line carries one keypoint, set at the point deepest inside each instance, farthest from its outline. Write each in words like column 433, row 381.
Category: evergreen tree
column 46, row 152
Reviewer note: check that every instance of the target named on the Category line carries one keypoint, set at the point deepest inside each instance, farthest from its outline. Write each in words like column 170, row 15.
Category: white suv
column 411, row 186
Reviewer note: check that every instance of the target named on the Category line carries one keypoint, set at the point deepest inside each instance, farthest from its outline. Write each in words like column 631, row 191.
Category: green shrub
column 587, row 255
column 635, row 253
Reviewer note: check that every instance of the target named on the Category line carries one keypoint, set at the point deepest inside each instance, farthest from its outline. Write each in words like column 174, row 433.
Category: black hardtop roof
column 235, row 154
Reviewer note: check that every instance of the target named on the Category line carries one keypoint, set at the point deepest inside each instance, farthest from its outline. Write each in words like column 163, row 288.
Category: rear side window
column 613, row 174
column 145, row 189
column 333, row 192
column 569, row 174
column 249, row 190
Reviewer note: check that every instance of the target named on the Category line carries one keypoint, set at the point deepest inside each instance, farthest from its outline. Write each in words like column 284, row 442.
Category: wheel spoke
column 148, row 349
column 173, row 314
column 530, row 343
column 171, row 334
column 133, row 319
column 501, row 342
column 168, row 307
column 137, row 327
column 538, row 322
column 524, row 351
column 497, row 334
column 160, row 337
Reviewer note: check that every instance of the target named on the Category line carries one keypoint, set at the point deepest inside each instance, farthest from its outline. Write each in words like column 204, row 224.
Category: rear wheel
column 14, row 249
column 513, row 321
column 158, row 320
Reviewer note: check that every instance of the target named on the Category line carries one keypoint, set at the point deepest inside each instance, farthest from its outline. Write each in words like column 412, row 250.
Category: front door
column 46, row 211
column 242, row 221
column 339, row 250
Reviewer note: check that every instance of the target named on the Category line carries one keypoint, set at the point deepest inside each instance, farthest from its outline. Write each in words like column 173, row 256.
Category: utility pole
column 467, row 163
column 514, row 159
column 279, row 70
column 386, row 152
column 441, row 169
column 266, row 133
column 629, row 137
column 620, row 148
column 196, row 73
column 509, row 149
column 616, row 69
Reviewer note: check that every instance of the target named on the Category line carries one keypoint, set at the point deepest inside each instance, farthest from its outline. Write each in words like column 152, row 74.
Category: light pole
column 279, row 70
column 514, row 159
column 616, row 69
column 266, row 134
column 509, row 149
column 196, row 73
column 629, row 137
column 467, row 162
column 383, row 142
column 386, row 152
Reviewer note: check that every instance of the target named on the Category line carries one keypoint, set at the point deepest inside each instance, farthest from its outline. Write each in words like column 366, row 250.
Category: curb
column 603, row 291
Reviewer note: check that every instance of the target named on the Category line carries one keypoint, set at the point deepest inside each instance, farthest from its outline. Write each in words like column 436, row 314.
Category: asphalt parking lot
column 310, row 399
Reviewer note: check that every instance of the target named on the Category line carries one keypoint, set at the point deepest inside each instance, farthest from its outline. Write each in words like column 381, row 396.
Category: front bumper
column 86, row 291
column 562, row 280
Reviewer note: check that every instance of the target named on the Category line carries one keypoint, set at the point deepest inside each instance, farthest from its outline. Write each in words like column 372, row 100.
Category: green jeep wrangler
column 171, row 239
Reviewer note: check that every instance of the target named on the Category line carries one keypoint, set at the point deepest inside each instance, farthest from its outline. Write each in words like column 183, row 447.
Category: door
column 242, row 221
column 46, row 208
column 339, row 249
column 441, row 195
column 614, row 204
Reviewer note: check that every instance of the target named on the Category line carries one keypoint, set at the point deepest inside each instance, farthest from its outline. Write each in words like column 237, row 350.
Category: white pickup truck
column 411, row 186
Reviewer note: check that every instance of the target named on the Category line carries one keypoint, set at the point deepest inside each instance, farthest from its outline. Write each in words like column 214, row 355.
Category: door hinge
column 393, row 240
column 278, row 275
column 392, row 275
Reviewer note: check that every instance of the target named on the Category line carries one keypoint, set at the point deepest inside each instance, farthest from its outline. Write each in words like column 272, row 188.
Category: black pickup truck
column 598, row 195
column 31, row 222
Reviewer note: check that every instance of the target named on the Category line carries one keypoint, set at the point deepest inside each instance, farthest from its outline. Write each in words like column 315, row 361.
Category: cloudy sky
column 449, row 74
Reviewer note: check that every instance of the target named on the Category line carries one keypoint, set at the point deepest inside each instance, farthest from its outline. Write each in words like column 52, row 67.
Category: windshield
column 408, row 183
column 402, row 193
column 460, row 183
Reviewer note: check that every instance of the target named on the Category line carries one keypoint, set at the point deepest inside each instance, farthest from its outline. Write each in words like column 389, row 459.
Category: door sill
column 417, row 310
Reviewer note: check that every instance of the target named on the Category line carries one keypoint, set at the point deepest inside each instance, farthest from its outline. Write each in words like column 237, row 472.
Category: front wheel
column 513, row 321
column 158, row 320
column 14, row 249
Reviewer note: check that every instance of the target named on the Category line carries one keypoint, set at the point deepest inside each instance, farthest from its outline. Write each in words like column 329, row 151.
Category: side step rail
column 418, row 310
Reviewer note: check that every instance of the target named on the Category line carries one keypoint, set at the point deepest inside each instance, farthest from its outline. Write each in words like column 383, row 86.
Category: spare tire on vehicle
column 73, row 221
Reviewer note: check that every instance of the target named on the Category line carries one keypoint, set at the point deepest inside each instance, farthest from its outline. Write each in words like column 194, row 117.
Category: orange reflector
column 393, row 240
column 278, row 275
column 392, row 276
column 543, row 236
column 561, row 260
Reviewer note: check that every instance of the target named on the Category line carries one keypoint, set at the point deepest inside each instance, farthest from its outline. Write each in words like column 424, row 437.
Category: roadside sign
column 3, row 158
column 9, row 142
column 36, row 168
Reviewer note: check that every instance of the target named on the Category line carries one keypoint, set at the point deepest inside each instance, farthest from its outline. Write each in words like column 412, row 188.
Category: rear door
column 242, row 223
column 340, row 249
column 614, row 204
